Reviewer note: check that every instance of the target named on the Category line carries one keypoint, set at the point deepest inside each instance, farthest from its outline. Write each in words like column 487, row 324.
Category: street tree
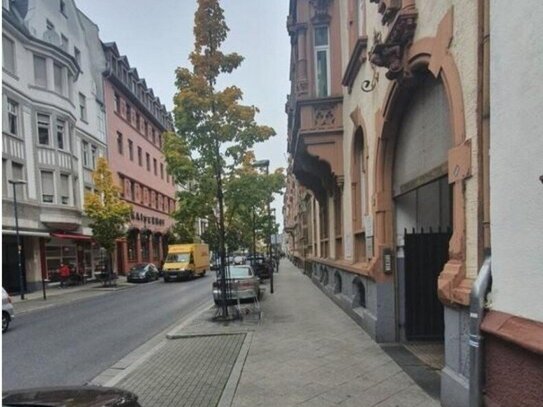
column 212, row 123
column 106, row 210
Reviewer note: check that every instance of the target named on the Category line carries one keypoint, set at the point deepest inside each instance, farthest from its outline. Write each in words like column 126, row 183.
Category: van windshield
column 178, row 258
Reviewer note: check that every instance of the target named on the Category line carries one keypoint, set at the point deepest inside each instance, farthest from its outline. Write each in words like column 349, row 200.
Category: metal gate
column 426, row 252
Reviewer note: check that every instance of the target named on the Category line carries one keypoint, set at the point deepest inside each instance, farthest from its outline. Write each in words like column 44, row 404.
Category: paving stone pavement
column 308, row 352
column 186, row 372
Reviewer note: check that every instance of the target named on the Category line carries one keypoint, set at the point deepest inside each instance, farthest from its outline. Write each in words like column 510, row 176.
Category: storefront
column 78, row 251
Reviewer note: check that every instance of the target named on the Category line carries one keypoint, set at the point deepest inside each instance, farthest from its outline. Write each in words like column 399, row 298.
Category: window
column 120, row 143
column 60, row 134
column 64, row 42
column 130, row 150
column 132, row 191
column 13, row 117
column 4, row 178
column 146, row 125
column 117, row 102
column 153, row 136
column 137, row 121
column 160, row 140
column 128, row 113
column 57, row 73
column 77, row 56
column 361, row 17
column 148, row 159
column 8, row 53
column 140, row 160
column 47, row 187
column 40, row 71
column 85, row 148
column 17, row 172
column 93, row 156
column 161, row 170
column 70, row 85
column 43, row 129
column 322, row 61
column 82, row 107
column 101, row 121
column 64, row 189
column 155, row 166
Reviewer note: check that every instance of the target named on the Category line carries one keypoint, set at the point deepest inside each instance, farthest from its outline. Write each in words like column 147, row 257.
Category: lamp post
column 274, row 248
column 16, row 182
column 266, row 164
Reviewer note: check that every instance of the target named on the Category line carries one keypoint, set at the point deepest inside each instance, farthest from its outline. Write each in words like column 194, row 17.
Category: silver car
column 242, row 284
column 8, row 312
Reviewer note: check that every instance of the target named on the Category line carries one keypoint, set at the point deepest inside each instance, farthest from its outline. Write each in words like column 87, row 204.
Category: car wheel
column 166, row 280
column 5, row 321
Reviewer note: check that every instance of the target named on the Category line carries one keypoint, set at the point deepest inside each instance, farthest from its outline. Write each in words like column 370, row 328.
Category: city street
column 70, row 344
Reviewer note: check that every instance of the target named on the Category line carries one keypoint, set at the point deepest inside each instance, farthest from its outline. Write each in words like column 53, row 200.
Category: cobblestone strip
column 186, row 372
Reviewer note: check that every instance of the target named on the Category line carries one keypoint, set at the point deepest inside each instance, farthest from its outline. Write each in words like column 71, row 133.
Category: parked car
column 242, row 284
column 73, row 396
column 260, row 265
column 143, row 272
column 8, row 313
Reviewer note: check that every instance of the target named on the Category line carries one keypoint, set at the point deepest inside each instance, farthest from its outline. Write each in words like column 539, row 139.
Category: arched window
column 360, row 293
column 337, row 283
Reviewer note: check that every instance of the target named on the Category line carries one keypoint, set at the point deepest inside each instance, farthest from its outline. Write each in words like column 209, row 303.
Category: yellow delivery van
column 186, row 261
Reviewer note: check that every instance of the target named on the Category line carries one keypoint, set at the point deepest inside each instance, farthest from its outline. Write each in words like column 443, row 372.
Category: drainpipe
column 480, row 289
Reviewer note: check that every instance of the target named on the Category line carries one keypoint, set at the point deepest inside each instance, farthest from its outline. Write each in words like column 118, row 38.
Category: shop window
column 132, row 246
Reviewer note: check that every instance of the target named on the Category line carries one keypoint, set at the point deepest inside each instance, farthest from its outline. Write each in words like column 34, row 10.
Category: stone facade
column 388, row 180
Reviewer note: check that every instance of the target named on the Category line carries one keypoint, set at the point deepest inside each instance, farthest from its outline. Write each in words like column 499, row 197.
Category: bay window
column 322, row 62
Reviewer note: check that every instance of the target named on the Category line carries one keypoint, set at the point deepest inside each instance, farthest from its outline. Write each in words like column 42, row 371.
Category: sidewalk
column 57, row 296
column 304, row 352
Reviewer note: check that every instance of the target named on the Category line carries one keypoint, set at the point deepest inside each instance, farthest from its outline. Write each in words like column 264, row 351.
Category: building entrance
column 10, row 267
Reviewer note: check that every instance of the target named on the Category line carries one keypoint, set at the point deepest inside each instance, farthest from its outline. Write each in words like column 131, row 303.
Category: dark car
column 260, row 265
column 143, row 272
column 75, row 396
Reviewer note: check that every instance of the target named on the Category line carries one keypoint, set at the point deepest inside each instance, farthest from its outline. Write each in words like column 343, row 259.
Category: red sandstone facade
column 136, row 122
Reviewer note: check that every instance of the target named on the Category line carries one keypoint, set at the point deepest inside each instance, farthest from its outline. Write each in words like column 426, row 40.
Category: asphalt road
column 71, row 344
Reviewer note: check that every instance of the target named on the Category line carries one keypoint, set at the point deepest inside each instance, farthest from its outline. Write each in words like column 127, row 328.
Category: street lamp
column 16, row 182
column 266, row 164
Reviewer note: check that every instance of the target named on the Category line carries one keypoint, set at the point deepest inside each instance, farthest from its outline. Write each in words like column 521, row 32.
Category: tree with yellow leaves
column 106, row 210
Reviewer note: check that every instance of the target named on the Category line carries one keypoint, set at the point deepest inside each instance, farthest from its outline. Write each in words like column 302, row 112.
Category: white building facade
column 53, row 131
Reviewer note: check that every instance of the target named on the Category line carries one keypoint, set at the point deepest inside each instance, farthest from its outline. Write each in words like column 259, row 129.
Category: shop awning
column 71, row 236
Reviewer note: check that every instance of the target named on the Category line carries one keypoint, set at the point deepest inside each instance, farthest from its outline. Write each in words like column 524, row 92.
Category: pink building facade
column 136, row 121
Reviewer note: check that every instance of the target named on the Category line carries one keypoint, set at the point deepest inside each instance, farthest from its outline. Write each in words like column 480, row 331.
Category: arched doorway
column 422, row 201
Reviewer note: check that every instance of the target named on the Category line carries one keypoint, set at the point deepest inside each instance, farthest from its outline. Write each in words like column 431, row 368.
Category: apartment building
column 136, row 121
column 387, row 203
column 53, row 130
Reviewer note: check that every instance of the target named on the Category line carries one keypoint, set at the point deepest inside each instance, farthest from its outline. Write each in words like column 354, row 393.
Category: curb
column 231, row 386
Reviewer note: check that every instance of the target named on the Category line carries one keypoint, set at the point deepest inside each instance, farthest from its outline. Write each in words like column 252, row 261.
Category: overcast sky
column 157, row 37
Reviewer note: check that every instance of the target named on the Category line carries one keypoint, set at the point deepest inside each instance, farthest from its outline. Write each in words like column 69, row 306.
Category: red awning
column 72, row 236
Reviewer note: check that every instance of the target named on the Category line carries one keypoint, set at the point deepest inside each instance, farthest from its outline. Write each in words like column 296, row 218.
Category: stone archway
column 430, row 55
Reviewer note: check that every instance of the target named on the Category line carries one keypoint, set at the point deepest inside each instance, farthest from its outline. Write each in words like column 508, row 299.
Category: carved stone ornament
column 390, row 53
column 324, row 116
column 321, row 11
column 388, row 9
